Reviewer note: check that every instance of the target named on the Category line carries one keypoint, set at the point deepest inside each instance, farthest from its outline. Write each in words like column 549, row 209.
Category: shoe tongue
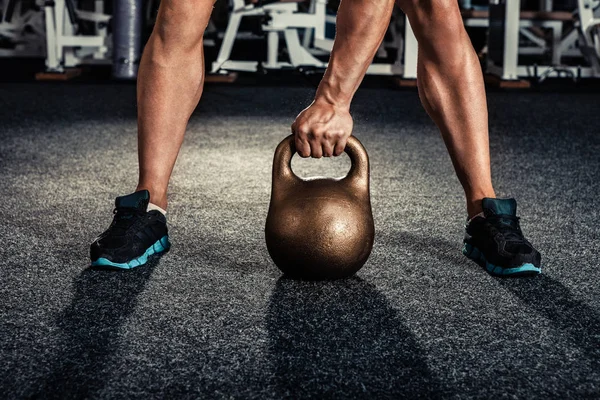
column 499, row 206
column 137, row 200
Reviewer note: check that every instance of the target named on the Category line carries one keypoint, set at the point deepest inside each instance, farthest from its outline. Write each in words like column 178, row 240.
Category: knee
column 440, row 18
column 181, row 24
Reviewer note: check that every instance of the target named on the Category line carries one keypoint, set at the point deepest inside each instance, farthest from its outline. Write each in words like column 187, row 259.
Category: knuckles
column 301, row 149
column 302, row 130
column 318, row 139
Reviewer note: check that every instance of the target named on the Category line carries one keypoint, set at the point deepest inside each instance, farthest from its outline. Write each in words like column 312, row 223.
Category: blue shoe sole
column 157, row 248
column 474, row 254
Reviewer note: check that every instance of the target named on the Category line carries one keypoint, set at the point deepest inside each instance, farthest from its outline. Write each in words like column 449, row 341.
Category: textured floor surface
column 213, row 318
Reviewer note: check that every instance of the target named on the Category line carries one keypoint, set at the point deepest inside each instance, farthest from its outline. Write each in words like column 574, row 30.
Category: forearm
column 360, row 27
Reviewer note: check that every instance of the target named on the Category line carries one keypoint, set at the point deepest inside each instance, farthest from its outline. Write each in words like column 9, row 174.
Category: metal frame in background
column 280, row 17
column 65, row 48
column 22, row 29
column 503, row 45
column 507, row 21
column 284, row 17
column 589, row 32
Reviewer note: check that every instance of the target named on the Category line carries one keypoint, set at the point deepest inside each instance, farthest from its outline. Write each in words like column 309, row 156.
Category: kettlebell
column 320, row 228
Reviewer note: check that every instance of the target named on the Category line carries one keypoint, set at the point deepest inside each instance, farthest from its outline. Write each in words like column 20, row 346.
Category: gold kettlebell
column 320, row 228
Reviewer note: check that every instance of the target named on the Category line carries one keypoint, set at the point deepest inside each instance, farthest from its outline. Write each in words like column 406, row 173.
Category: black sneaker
column 134, row 235
column 496, row 242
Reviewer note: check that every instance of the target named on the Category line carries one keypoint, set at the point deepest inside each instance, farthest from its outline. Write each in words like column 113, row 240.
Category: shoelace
column 508, row 225
column 124, row 218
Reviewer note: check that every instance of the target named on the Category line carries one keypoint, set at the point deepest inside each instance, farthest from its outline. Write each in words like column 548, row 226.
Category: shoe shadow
column 342, row 339
column 90, row 330
column 547, row 296
column 571, row 316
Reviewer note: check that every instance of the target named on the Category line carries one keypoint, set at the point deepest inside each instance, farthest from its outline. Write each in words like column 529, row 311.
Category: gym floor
column 214, row 318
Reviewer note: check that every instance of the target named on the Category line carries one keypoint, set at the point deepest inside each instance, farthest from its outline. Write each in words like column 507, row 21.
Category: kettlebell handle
column 358, row 175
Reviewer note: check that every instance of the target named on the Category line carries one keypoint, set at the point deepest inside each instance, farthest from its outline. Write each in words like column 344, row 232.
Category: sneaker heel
column 472, row 252
column 467, row 249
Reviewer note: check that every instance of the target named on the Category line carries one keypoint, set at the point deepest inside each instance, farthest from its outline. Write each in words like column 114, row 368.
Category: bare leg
column 170, row 83
column 452, row 92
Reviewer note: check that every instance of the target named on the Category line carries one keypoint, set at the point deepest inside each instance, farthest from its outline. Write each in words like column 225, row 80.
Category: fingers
column 310, row 143
column 321, row 130
column 328, row 148
column 340, row 146
column 300, row 140
column 318, row 144
column 316, row 149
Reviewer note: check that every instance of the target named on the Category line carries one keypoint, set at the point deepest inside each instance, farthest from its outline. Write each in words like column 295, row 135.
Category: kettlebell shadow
column 342, row 339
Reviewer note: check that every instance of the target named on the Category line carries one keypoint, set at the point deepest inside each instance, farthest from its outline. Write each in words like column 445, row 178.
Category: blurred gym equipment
column 589, row 32
column 127, row 40
column 66, row 44
column 507, row 23
column 513, row 33
column 285, row 17
column 278, row 17
column 556, row 39
column 22, row 31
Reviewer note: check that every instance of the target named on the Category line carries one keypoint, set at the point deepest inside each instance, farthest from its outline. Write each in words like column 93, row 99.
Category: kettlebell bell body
column 320, row 228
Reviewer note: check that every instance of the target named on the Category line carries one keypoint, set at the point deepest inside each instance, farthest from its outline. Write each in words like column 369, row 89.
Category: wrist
column 333, row 95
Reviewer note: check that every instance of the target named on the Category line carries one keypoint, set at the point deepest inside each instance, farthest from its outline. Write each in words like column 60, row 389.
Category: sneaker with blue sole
column 495, row 241
column 134, row 235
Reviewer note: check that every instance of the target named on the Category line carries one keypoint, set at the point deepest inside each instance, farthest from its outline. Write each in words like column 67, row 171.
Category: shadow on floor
column 541, row 294
column 556, row 303
column 90, row 330
column 342, row 339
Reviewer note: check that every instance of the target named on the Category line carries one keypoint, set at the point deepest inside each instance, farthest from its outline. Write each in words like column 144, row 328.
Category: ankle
column 473, row 211
column 474, row 204
column 157, row 197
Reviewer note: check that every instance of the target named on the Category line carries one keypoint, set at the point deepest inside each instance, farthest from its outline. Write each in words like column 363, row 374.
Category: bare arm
column 323, row 127
column 361, row 25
